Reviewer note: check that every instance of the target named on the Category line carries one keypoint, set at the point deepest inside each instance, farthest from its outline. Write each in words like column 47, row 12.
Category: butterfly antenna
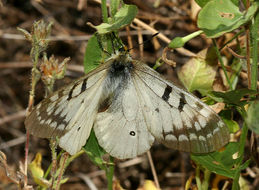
column 143, row 43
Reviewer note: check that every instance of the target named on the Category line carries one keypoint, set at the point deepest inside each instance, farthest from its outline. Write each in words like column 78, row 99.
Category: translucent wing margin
column 69, row 113
column 176, row 118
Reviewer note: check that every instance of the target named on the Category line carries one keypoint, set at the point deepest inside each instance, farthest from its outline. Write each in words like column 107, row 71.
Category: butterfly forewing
column 67, row 112
column 176, row 118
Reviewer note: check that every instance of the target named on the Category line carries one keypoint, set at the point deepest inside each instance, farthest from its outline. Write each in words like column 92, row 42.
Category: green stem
column 104, row 11
column 254, row 42
column 234, row 37
column 71, row 158
column 35, row 52
column 235, row 185
column 109, row 173
column 50, row 166
column 192, row 35
column 242, row 143
column 222, row 64
column 243, row 136
column 197, row 177
column 205, row 183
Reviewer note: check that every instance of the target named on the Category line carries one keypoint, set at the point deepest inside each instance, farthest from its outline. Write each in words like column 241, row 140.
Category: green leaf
column 227, row 117
column 197, row 74
column 37, row 172
column 221, row 163
column 231, row 97
column 93, row 54
column 94, row 151
column 114, row 6
column 218, row 17
column 252, row 119
column 202, row 3
column 122, row 18
column 232, row 125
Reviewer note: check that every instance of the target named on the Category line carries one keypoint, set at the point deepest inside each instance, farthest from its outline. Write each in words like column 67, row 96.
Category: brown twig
column 28, row 64
column 235, row 54
column 81, row 4
column 11, row 117
column 153, row 169
column 13, row 142
column 87, row 181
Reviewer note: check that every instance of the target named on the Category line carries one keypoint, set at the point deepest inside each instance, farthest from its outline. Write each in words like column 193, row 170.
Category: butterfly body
column 128, row 105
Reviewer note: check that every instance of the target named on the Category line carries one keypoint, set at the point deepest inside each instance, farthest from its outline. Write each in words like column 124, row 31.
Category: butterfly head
column 121, row 62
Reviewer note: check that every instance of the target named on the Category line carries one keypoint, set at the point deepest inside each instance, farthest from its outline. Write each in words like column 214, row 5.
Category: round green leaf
column 218, row 17
column 122, row 18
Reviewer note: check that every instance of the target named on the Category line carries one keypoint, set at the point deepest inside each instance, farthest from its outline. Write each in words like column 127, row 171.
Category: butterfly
column 128, row 105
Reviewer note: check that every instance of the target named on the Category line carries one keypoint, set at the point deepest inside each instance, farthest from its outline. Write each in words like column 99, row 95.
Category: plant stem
column 242, row 143
column 248, row 48
column 205, row 183
column 254, row 40
column 197, row 177
column 109, row 173
column 26, row 158
column 104, row 11
column 248, row 64
column 50, row 166
column 234, row 37
column 222, row 64
column 53, row 146
column 62, row 170
column 34, row 79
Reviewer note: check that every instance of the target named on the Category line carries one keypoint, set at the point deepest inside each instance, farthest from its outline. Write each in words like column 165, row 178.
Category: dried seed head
column 52, row 70
column 39, row 33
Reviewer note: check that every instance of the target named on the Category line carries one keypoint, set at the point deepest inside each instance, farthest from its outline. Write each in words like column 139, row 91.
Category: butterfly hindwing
column 176, row 118
column 121, row 129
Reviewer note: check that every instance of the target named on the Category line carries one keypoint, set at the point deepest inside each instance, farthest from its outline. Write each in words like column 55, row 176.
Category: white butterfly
column 128, row 105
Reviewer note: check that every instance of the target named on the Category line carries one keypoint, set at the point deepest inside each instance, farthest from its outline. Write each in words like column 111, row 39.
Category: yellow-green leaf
column 37, row 172
column 197, row 74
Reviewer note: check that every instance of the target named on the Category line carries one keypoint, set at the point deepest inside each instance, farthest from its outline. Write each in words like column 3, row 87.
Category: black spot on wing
column 182, row 102
column 132, row 133
column 167, row 92
column 71, row 92
column 83, row 87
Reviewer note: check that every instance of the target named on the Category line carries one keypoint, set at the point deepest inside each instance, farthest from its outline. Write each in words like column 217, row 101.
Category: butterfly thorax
column 117, row 78
column 121, row 63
